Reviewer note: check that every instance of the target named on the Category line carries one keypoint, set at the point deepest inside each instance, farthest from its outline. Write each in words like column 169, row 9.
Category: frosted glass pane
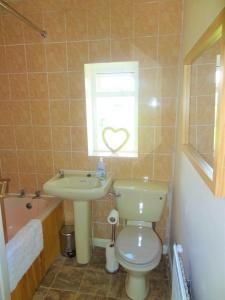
column 117, row 82
column 115, row 112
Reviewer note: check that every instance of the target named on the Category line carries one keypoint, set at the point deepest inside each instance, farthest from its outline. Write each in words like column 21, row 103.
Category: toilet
column 138, row 248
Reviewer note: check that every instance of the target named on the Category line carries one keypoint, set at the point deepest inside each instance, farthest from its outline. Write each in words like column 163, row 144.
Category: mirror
column 204, row 118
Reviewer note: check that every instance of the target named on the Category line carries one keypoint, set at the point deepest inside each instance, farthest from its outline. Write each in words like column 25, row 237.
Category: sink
column 80, row 187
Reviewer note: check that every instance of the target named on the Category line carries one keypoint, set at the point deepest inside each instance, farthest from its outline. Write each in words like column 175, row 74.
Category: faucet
column 22, row 194
column 37, row 195
column 61, row 173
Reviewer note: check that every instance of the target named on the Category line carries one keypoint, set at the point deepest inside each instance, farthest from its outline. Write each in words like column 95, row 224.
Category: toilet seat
column 139, row 246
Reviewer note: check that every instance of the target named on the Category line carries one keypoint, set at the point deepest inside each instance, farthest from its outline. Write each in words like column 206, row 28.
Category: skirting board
column 104, row 242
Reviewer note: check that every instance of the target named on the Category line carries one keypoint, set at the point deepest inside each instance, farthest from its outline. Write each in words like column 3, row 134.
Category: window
column 112, row 109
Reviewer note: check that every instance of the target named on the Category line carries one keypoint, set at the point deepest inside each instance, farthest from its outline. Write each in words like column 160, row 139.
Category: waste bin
column 67, row 241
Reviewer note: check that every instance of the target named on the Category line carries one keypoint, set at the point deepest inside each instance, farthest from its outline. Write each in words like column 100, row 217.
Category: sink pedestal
column 82, row 223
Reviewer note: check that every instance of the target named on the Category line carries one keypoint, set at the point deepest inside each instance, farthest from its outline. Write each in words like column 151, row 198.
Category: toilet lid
column 138, row 245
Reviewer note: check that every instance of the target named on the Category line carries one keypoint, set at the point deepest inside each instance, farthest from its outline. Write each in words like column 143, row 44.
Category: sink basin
column 78, row 185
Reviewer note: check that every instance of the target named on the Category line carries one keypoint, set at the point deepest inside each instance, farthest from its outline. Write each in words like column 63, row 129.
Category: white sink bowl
column 78, row 185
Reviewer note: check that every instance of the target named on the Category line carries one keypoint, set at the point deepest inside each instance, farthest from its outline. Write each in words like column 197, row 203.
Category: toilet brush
column 112, row 264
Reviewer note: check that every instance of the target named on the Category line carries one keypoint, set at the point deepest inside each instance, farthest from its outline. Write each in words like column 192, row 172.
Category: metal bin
column 67, row 241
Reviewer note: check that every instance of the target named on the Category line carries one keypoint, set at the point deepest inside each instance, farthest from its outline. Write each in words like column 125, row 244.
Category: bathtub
column 18, row 212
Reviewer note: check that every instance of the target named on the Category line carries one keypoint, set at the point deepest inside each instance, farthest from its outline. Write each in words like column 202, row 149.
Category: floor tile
column 68, row 278
column 60, row 295
column 96, row 282
column 40, row 293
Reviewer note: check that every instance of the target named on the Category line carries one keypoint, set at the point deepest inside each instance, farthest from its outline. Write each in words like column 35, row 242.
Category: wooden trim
column 213, row 177
column 32, row 278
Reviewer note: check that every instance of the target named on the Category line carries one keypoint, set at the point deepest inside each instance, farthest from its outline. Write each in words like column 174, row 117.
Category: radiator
column 179, row 282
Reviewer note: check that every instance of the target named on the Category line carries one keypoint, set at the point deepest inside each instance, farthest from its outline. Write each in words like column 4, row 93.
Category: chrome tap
column 61, row 173
column 37, row 195
column 22, row 194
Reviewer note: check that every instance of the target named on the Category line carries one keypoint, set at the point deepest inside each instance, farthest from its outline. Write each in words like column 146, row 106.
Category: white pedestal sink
column 80, row 187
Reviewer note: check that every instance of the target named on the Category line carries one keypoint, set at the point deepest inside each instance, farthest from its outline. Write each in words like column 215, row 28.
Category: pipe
column 11, row 10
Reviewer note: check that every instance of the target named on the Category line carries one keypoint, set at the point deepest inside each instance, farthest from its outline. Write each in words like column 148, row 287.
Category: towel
column 22, row 250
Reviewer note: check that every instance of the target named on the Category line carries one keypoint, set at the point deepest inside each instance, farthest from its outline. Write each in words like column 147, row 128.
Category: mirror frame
column 213, row 176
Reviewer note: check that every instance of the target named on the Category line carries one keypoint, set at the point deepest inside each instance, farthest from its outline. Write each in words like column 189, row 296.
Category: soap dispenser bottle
column 100, row 171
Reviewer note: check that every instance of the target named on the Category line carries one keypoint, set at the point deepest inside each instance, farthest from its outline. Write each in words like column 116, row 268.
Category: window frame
column 90, row 71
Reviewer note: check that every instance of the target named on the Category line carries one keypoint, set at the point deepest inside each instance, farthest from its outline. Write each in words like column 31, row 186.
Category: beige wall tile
column 146, row 139
column 77, row 55
column 76, row 25
column 42, row 138
column 15, row 56
column 8, row 161
column 44, row 161
column 31, row 36
column 170, row 15
column 162, row 167
column 76, row 85
column 35, row 58
column 122, row 19
column 6, row 117
column 55, row 24
column 164, row 139
column 60, row 112
column 58, row 85
column 38, row 87
column 146, row 18
column 40, row 113
column 7, row 138
column 77, row 113
column 41, row 179
column 79, row 138
column 62, row 160
column 3, row 63
column 169, row 50
column 4, row 87
column 24, row 137
column 99, row 51
column 20, row 112
column 98, row 19
column 148, row 81
column 68, row 212
column 146, row 51
column 81, row 161
column 12, row 29
column 167, row 80
column 61, row 138
column 19, row 86
column 56, row 57
column 28, row 182
column 143, row 166
column 26, row 161
column 122, row 167
column 122, row 49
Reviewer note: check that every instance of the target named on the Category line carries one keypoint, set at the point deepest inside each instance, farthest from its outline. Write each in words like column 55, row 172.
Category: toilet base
column 137, row 285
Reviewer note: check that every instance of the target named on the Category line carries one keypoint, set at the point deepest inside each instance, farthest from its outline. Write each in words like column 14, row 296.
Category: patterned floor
column 67, row 280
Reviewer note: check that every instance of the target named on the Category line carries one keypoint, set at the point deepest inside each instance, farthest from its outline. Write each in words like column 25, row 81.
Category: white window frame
column 90, row 71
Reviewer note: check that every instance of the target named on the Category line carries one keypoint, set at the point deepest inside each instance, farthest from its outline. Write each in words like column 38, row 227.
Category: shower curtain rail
column 11, row 10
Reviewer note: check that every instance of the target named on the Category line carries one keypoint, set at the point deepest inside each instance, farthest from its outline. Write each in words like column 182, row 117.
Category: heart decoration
column 107, row 131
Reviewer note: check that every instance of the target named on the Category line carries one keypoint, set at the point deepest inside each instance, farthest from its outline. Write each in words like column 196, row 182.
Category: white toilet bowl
column 138, row 250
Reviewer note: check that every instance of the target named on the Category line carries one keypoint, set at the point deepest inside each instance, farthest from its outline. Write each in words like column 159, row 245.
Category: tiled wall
column 42, row 105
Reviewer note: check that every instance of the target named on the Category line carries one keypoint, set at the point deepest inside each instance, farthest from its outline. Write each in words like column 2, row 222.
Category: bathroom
column 45, row 128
